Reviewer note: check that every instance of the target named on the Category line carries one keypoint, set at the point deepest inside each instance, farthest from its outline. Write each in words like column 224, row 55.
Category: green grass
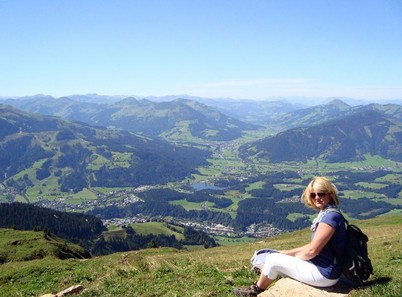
column 374, row 186
column 46, row 189
column 255, row 186
column 98, row 162
column 17, row 246
column 361, row 194
column 191, row 205
column 114, row 233
column 157, row 228
column 392, row 177
column 19, row 198
column 108, row 191
column 288, row 187
column 182, row 134
column 82, row 196
column 371, row 163
column 294, row 216
column 230, row 241
column 120, row 160
column 210, row 272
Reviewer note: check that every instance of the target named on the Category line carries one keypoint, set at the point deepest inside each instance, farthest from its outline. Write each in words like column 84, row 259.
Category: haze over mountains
column 208, row 119
column 142, row 116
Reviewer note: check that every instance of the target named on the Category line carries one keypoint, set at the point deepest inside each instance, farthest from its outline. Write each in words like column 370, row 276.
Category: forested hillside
column 344, row 140
column 89, row 231
column 37, row 149
column 76, row 227
column 334, row 110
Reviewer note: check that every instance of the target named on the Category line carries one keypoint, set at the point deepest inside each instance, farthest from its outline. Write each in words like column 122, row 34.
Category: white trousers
column 296, row 268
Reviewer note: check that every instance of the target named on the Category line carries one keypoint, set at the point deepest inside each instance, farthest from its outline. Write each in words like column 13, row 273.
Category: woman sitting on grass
column 318, row 263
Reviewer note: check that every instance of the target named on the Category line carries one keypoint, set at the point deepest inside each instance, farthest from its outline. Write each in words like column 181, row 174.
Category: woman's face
column 320, row 198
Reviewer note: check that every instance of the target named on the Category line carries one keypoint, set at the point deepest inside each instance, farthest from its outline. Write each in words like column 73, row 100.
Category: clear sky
column 250, row 49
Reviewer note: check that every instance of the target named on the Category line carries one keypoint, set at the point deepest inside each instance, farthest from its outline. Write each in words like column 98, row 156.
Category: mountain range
column 77, row 155
column 351, row 138
column 214, row 119
column 333, row 110
column 334, row 131
column 179, row 119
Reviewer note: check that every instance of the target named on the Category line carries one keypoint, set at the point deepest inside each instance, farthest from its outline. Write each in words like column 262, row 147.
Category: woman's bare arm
column 322, row 236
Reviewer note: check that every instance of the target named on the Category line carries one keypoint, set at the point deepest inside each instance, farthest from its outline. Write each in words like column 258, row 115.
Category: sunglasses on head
column 313, row 195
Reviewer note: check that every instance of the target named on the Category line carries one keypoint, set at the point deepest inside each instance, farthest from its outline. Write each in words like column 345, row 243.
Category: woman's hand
column 291, row 252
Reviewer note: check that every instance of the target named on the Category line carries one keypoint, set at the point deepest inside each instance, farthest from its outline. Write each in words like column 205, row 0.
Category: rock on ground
column 70, row 291
column 286, row 287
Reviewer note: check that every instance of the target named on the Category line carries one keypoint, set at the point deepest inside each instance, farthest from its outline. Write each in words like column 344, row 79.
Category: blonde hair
column 322, row 184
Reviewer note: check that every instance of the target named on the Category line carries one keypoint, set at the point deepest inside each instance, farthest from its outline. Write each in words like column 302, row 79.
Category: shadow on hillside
column 344, row 286
column 378, row 281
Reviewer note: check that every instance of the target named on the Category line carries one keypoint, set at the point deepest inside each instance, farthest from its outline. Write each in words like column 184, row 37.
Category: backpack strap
column 331, row 244
column 338, row 211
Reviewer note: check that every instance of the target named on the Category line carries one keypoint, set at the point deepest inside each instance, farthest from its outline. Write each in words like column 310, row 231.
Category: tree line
column 75, row 227
column 88, row 230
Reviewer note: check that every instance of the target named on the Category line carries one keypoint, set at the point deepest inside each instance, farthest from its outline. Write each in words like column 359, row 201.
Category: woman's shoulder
column 333, row 214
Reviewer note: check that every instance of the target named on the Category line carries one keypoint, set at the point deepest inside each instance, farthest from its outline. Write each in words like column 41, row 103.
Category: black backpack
column 356, row 262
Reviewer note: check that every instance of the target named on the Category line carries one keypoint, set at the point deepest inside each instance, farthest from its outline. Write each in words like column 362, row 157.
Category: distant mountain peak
column 339, row 104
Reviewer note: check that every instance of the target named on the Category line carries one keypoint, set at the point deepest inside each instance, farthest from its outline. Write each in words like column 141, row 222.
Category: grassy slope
column 17, row 246
column 211, row 272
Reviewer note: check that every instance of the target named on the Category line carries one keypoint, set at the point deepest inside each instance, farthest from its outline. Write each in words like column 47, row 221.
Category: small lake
column 205, row 186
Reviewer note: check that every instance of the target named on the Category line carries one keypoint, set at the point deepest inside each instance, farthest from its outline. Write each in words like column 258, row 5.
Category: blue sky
column 249, row 49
